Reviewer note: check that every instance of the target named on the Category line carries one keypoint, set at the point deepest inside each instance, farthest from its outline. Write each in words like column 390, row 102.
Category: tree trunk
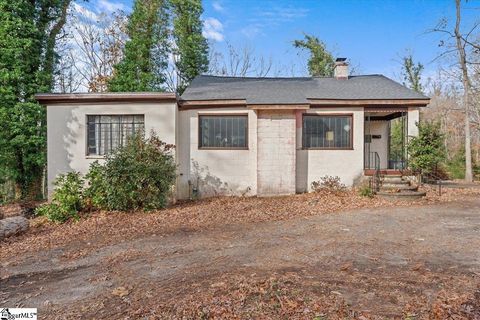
column 466, row 93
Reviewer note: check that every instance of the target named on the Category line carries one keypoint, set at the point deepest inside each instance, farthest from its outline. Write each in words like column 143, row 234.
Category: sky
column 373, row 35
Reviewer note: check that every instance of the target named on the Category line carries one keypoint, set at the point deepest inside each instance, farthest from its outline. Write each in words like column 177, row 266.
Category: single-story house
column 244, row 136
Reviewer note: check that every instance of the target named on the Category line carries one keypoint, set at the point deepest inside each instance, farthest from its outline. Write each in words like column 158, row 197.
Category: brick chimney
column 341, row 69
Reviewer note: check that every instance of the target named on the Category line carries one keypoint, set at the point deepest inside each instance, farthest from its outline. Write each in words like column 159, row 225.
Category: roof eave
column 369, row 102
column 59, row 98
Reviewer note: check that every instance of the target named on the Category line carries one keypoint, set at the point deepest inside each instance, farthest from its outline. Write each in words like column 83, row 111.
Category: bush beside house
column 427, row 151
column 139, row 175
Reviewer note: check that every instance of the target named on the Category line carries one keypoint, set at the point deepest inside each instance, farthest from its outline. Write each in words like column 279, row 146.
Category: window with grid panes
column 223, row 132
column 327, row 132
column 107, row 132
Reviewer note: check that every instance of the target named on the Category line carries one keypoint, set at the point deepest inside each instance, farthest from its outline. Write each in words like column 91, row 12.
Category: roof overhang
column 59, row 98
column 198, row 104
column 369, row 102
column 278, row 106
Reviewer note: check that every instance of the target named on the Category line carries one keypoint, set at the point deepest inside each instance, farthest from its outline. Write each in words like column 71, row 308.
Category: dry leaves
column 101, row 228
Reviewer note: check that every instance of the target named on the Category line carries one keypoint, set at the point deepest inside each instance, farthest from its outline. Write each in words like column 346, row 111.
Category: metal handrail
column 375, row 180
column 432, row 176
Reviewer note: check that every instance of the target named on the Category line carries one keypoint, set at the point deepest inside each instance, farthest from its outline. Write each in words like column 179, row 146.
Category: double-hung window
column 107, row 132
column 223, row 132
column 327, row 132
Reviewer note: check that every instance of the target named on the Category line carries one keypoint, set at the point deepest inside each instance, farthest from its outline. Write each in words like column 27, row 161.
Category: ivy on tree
column 191, row 47
column 146, row 53
column 321, row 62
column 412, row 74
column 28, row 33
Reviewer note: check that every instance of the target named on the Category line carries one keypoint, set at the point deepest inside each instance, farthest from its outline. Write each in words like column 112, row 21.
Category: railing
column 375, row 180
column 429, row 177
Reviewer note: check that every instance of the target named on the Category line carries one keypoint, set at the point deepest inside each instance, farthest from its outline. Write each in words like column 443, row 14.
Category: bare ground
column 420, row 261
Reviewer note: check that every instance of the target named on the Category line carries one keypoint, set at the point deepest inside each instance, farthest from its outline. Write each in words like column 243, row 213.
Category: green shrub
column 366, row 191
column 139, row 175
column 95, row 195
column 66, row 200
column 456, row 165
column 427, row 150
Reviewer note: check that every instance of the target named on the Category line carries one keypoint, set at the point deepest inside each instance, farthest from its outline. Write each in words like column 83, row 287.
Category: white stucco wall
column 276, row 152
column 380, row 145
column 215, row 172
column 274, row 163
column 413, row 120
column 66, row 131
column 311, row 165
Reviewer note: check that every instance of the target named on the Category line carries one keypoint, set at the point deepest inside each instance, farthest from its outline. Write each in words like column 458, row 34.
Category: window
column 106, row 132
column 223, row 132
column 327, row 132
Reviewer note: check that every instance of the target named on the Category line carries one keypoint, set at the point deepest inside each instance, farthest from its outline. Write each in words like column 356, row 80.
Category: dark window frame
column 87, row 127
column 219, row 115
column 342, row 115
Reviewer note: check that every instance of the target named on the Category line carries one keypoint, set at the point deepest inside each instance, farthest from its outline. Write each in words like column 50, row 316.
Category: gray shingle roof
column 296, row 90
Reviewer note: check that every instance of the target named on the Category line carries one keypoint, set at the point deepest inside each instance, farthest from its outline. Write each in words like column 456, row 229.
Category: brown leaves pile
column 101, row 228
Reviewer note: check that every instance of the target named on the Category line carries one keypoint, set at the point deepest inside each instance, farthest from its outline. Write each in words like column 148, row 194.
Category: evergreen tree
column 146, row 53
column 28, row 32
column 412, row 74
column 191, row 47
column 427, row 151
column 321, row 62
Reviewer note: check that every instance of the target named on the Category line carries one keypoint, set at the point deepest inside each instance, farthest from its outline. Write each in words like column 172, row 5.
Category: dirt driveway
column 395, row 262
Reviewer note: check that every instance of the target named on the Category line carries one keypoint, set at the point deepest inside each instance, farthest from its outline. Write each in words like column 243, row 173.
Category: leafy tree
column 397, row 136
column 321, row 62
column 28, row 33
column 191, row 47
column 146, row 53
column 412, row 74
column 427, row 151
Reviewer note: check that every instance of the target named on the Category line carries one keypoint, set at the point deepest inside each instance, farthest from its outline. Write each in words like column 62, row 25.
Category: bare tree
column 94, row 47
column 466, row 92
column 461, row 47
column 239, row 62
column 67, row 79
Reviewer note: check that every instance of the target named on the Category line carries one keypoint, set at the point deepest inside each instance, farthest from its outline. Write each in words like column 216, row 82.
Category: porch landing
column 386, row 172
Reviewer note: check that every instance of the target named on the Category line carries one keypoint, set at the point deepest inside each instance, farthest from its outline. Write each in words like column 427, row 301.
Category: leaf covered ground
column 309, row 256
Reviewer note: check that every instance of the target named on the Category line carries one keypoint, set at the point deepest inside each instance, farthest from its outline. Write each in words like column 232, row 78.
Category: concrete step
column 395, row 184
column 405, row 195
column 390, row 179
column 400, row 187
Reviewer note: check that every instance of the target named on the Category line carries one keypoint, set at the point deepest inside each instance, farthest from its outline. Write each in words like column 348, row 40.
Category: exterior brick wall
column 276, row 152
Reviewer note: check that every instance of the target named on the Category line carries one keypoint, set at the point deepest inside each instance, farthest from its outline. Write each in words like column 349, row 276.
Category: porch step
column 384, row 172
column 402, row 195
column 395, row 187
column 400, row 187
column 394, row 180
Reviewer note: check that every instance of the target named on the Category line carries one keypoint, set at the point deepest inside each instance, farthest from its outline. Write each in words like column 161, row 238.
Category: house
column 244, row 136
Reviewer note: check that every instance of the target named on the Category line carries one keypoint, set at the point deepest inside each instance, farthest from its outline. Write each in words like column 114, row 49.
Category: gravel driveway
column 375, row 259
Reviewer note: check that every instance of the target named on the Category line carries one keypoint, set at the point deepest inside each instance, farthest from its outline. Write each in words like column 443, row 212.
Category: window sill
column 94, row 157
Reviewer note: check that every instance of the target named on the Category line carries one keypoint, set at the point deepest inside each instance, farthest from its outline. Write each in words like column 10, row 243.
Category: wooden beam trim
column 230, row 102
column 51, row 99
column 278, row 106
column 358, row 102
